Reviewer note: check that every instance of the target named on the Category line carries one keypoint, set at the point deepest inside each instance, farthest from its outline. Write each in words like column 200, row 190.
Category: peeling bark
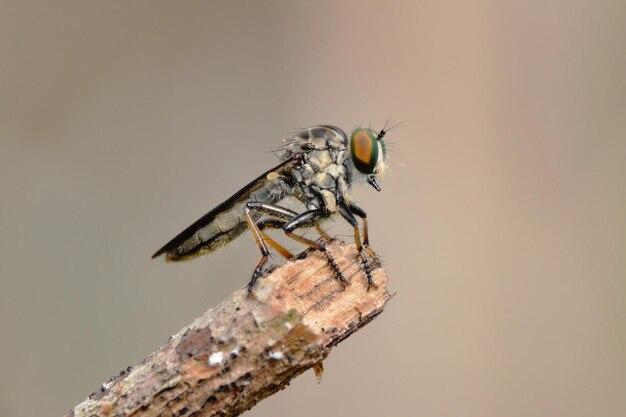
column 248, row 348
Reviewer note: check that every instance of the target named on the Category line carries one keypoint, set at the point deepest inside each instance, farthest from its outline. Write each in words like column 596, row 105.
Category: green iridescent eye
column 364, row 150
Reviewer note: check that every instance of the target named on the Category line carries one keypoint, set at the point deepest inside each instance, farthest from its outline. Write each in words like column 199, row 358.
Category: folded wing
column 227, row 221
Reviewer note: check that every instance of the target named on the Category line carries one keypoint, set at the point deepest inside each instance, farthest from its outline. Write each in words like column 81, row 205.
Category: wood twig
column 248, row 348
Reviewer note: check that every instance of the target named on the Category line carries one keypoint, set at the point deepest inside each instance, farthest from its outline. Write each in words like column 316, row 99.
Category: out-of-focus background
column 504, row 233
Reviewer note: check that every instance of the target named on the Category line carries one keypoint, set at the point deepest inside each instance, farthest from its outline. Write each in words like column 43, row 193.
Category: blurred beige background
column 504, row 234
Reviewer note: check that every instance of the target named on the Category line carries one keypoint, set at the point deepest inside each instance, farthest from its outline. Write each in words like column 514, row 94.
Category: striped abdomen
column 228, row 220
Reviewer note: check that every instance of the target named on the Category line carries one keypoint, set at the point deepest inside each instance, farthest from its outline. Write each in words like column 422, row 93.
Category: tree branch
column 248, row 348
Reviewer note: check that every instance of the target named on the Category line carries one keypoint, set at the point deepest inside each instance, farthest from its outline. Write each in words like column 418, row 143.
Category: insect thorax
column 322, row 175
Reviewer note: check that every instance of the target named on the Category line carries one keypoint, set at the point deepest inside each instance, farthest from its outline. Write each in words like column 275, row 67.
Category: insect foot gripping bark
column 318, row 167
column 246, row 349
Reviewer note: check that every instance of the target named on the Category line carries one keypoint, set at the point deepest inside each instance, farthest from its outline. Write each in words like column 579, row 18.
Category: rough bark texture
column 248, row 348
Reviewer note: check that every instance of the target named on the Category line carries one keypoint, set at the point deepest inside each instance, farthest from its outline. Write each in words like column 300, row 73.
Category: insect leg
column 274, row 224
column 271, row 224
column 366, row 240
column 306, row 219
column 347, row 214
column 361, row 213
column 260, row 237
column 325, row 236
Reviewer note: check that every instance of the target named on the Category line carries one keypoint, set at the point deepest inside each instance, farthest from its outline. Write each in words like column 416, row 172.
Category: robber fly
column 318, row 167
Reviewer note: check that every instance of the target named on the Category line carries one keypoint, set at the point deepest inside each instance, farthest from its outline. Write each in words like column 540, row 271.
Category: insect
column 319, row 165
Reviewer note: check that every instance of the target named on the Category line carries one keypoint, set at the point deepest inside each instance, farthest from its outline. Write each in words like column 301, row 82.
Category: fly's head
column 368, row 154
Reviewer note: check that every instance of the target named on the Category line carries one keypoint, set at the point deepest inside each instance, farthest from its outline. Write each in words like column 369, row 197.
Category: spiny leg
column 366, row 240
column 347, row 214
column 305, row 219
column 289, row 220
column 260, row 237
column 273, row 223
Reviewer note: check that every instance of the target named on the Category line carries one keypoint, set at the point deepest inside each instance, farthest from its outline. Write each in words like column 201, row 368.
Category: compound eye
column 364, row 150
